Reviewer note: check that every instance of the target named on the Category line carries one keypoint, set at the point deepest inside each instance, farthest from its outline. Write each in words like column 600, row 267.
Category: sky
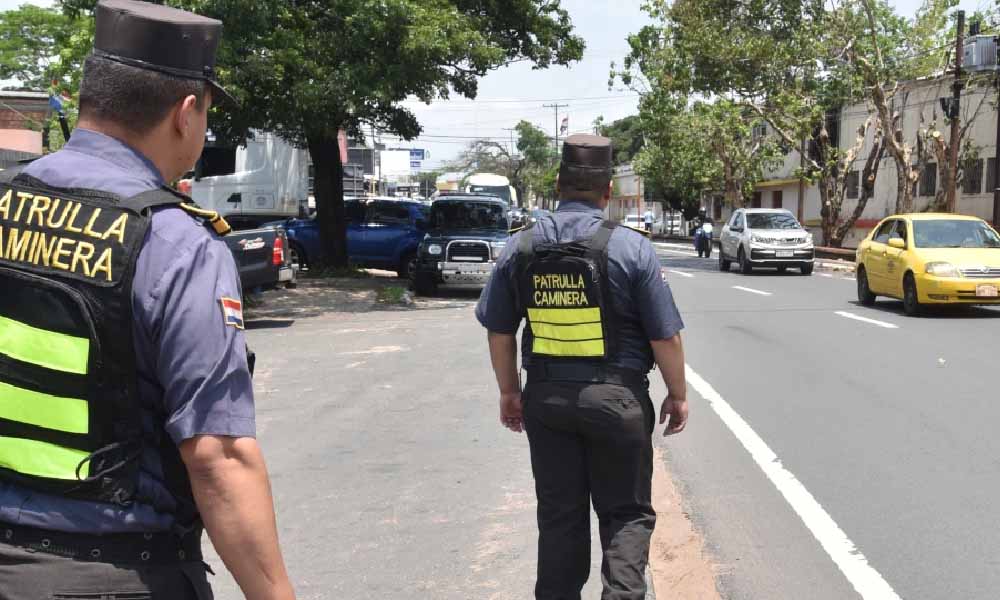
column 511, row 94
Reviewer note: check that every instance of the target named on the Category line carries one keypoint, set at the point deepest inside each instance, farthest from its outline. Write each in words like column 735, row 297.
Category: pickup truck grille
column 990, row 273
column 468, row 252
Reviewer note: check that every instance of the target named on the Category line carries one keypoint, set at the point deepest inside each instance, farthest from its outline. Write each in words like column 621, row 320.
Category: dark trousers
column 591, row 442
column 28, row 575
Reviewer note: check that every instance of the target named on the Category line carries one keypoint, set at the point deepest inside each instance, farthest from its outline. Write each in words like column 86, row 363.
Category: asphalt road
column 837, row 451
column 392, row 475
column 834, row 451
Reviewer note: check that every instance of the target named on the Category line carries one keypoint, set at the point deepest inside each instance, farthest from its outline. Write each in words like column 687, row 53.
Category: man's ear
column 184, row 115
column 611, row 189
column 557, row 185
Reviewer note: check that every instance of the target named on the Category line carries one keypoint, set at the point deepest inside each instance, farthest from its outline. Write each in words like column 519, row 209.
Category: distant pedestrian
column 649, row 218
column 599, row 316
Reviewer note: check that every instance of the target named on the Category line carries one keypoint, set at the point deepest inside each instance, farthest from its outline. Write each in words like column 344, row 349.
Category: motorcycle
column 703, row 240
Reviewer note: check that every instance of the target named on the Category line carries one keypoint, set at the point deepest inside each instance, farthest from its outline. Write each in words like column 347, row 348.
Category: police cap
column 159, row 38
column 586, row 162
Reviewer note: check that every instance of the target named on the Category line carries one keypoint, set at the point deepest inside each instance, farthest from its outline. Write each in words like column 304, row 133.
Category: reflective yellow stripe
column 48, row 349
column 51, row 412
column 41, row 459
column 564, row 316
column 587, row 331
column 557, row 348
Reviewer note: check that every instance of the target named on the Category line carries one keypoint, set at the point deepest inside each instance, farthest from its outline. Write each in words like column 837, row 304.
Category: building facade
column 22, row 117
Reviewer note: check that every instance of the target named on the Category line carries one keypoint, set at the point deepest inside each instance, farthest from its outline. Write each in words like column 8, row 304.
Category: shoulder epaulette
column 217, row 223
column 637, row 230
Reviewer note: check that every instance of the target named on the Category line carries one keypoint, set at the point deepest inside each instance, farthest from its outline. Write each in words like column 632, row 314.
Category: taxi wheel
column 745, row 267
column 865, row 295
column 911, row 301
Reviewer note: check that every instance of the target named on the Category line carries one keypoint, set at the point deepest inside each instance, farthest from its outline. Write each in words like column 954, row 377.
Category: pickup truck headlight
column 497, row 248
column 434, row 249
column 757, row 239
column 942, row 269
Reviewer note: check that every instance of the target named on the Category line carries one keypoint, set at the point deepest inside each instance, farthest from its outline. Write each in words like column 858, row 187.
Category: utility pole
column 996, row 151
column 512, row 148
column 951, row 199
column 556, row 106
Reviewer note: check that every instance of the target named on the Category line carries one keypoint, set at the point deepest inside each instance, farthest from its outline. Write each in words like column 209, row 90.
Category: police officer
column 126, row 405
column 599, row 316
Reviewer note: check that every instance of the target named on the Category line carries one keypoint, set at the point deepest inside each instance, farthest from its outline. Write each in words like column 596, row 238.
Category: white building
column 921, row 106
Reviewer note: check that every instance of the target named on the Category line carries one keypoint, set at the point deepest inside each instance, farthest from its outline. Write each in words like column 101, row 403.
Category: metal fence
column 11, row 158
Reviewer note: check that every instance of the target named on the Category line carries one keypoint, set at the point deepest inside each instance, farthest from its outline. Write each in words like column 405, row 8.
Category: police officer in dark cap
column 126, row 404
column 598, row 317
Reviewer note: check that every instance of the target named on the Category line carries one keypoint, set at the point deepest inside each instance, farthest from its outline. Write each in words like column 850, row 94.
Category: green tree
column 306, row 70
column 539, row 162
column 626, row 137
column 43, row 50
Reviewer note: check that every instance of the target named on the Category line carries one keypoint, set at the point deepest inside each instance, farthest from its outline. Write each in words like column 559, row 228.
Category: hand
column 510, row 412
column 677, row 409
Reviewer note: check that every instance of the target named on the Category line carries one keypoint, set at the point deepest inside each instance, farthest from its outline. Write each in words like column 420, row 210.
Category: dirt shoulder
column 681, row 569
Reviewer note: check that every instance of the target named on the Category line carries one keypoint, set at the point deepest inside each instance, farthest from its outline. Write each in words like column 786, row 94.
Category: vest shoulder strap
column 166, row 196
column 599, row 242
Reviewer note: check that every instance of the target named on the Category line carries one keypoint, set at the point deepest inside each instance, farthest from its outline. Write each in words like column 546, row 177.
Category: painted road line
column 827, row 275
column 681, row 273
column 751, row 290
column 848, row 315
column 848, row 558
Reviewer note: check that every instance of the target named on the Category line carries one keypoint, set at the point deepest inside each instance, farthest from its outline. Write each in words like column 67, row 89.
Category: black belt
column 120, row 548
column 582, row 373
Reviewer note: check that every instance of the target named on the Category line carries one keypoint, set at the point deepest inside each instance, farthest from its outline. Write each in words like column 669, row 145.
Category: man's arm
column 231, row 488
column 669, row 356
column 503, row 355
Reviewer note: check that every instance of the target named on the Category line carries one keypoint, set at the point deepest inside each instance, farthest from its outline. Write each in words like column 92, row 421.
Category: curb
column 839, row 265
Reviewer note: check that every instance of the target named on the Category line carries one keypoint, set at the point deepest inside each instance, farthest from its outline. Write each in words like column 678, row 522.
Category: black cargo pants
column 591, row 441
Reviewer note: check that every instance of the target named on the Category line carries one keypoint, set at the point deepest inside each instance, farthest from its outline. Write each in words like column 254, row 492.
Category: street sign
column 417, row 155
column 415, row 164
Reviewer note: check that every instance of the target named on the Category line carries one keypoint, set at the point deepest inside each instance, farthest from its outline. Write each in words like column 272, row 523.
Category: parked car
column 262, row 258
column 766, row 238
column 639, row 222
column 382, row 233
column 465, row 237
column 930, row 259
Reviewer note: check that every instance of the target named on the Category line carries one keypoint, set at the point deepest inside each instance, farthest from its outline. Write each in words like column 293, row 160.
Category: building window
column 928, row 180
column 853, row 185
column 776, row 199
column 759, row 131
column 991, row 175
column 755, row 202
column 972, row 177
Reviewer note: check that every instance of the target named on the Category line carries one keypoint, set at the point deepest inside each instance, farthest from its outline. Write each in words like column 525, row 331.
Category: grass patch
column 391, row 295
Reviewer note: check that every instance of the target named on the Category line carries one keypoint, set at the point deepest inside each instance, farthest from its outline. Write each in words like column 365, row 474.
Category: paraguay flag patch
column 232, row 312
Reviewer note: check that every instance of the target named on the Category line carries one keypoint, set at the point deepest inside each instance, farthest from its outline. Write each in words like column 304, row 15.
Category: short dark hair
column 134, row 98
column 594, row 189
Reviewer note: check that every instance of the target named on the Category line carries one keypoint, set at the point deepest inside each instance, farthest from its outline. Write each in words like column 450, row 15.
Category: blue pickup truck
column 383, row 233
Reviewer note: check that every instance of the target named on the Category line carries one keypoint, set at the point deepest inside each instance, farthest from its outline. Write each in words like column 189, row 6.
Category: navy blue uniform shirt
column 193, row 376
column 640, row 295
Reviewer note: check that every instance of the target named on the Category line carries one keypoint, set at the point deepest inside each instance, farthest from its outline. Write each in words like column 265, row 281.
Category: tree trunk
column 828, row 212
column 329, row 191
column 868, row 177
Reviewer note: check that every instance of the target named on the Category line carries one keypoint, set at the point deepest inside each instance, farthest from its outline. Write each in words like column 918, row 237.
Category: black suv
column 466, row 234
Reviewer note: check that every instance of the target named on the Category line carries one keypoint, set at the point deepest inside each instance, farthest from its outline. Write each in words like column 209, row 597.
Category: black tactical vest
column 69, row 407
column 564, row 292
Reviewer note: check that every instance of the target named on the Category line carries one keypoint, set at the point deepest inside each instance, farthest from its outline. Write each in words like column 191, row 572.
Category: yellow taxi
column 928, row 259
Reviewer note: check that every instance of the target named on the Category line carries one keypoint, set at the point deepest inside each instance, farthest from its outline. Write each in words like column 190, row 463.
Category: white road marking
column 827, row 275
column 681, row 273
column 751, row 290
column 848, row 315
column 848, row 558
column 850, row 278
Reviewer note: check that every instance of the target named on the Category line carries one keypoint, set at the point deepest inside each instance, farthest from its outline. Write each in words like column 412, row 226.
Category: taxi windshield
column 468, row 214
column 771, row 221
column 954, row 234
